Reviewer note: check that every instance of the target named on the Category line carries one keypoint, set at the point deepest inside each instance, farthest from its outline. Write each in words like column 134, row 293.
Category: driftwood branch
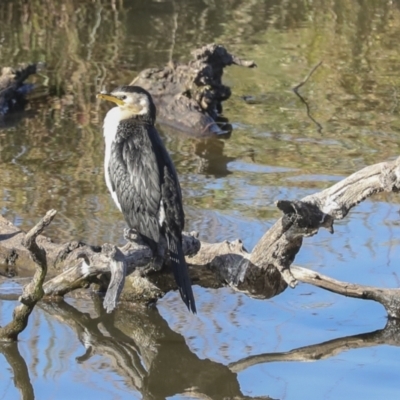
column 389, row 298
column 32, row 292
column 117, row 280
column 263, row 273
column 308, row 76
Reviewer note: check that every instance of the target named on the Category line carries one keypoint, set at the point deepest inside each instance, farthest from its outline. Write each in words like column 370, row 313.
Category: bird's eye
column 123, row 97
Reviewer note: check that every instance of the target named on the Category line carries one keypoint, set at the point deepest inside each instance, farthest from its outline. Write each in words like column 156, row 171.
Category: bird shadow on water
column 157, row 362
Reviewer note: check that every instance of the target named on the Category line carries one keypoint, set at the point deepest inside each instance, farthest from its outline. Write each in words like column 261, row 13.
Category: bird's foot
column 155, row 265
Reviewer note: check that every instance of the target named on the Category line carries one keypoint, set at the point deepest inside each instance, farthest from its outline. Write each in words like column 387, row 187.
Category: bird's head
column 133, row 101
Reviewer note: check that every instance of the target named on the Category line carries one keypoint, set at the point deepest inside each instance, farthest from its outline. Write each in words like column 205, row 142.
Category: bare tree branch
column 263, row 273
column 33, row 291
column 308, row 76
column 389, row 298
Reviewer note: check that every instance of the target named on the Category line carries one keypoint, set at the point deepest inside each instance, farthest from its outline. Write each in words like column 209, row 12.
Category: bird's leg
column 132, row 236
column 157, row 261
column 156, row 264
column 160, row 253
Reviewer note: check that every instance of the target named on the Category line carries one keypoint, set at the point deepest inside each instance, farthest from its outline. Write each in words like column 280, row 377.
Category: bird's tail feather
column 180, row 270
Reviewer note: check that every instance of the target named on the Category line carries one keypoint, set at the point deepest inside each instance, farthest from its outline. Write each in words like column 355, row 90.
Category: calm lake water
column 51, row 156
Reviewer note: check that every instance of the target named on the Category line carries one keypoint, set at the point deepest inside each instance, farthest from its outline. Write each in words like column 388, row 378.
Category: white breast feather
column 110, row 127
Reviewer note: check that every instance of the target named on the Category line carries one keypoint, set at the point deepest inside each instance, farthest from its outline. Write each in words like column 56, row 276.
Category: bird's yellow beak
column 110, row 97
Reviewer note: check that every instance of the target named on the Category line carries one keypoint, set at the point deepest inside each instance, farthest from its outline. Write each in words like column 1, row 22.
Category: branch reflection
column 19, row 368
column 153, row 359
column 389, row 335
column 207, row 155
column 143, row 349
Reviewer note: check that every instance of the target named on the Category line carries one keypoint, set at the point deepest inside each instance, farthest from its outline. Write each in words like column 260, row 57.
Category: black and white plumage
column 142, row 179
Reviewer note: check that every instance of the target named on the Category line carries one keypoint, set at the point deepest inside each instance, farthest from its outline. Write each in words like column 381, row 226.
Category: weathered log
column 189, row 96
column 13, row 89
column 33, row 291
column 263, row 273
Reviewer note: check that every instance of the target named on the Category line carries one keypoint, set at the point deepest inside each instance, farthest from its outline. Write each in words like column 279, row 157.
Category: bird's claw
column 155, row 265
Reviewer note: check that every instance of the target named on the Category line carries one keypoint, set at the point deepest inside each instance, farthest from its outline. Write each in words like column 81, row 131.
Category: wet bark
column 189, row 96
column 263, row 273
column 13, row 89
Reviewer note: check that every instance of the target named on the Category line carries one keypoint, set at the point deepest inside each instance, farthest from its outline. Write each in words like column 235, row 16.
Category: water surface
column 51, row 157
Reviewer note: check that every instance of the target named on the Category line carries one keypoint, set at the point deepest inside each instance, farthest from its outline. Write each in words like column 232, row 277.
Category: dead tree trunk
column 189, row 96
column 263, row 273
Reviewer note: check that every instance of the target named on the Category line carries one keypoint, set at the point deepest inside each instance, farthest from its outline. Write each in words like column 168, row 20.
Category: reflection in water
column 296, row 91
column 212, row 160
column 389, row 335
column 12, row 120
column 106, row 43
column 19, row 369
column 51, row 157
column 151, row 357
column 203, row 156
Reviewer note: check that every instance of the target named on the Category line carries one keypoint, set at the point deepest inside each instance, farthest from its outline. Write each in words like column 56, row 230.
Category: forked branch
column 32, row 292
column 263, row 273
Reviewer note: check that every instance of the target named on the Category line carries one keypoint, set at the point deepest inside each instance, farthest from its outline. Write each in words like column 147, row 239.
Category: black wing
column 173, row 225
column 135, row 178
column 174, row 216
column 146, row 184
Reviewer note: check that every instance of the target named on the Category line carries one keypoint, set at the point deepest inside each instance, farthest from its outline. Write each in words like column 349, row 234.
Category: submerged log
column 263, row 273
column 13, row 89
column 189, row 96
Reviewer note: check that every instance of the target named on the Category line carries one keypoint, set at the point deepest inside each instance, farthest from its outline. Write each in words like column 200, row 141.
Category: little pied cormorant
column 142, row 180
